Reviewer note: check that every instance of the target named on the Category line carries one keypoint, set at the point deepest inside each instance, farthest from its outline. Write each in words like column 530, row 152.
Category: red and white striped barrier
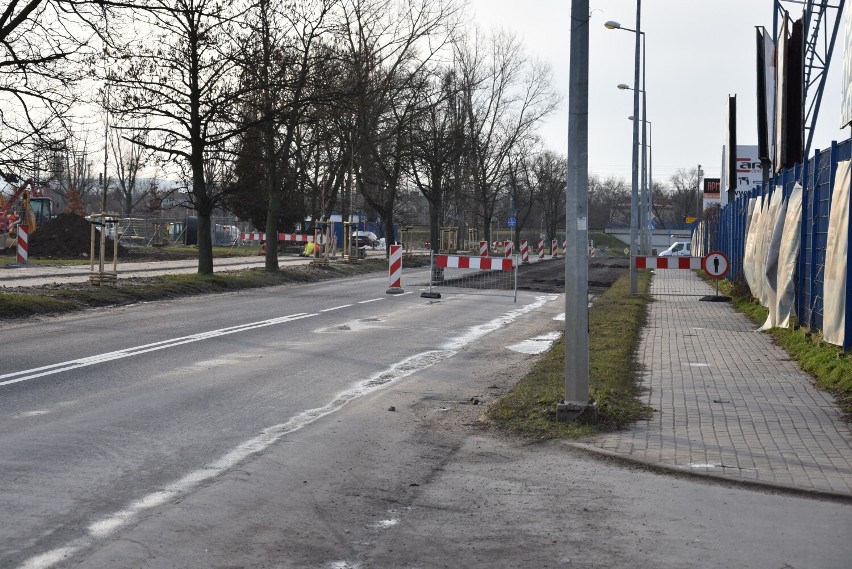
column 483, row 248
column 541, row 249
column 395, row 270
column 483, row 263
column 554, row 248
column 297, row 237
column 23, row 243
column 525, row 252
column 667, row 262
column 508, row 248
column 564, row 247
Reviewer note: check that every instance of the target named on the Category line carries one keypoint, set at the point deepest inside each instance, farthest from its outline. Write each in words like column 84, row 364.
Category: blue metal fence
column 817, row 177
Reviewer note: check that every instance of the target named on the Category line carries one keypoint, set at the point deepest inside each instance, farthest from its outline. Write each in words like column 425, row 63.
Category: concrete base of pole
column 395, row 290
column 573, row 410
column 430, row 295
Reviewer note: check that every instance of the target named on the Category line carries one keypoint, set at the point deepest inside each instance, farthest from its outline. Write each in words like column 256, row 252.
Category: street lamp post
column 645, row 198
column 648, row 183
column 635, row 177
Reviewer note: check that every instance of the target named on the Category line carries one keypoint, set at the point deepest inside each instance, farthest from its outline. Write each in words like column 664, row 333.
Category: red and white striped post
column 395, row 270
column 541, row 249
column 554, row 248
column 508, row 248
column 564, row 247
column 23, row 243
column 525, row 252
column 483, row 248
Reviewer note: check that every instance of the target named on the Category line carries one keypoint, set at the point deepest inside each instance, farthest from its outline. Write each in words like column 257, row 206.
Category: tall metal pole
column 634, row 196
column 651, row 178
column 643, row 215
column 576, row 221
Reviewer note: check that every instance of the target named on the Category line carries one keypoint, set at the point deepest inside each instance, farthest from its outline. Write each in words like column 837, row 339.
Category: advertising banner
column 749, row 174
column 712, row 192
column 765, row 93
column 846, row 86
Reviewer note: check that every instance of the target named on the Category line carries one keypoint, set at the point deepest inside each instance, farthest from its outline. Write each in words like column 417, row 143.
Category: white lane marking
column 368, row 301
column 560, row 317
column 107, row 526
column 52, row 369
column 335, row 308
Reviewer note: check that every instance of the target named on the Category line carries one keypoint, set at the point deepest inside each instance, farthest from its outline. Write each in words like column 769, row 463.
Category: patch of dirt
column 548, row 276
column 67, row 236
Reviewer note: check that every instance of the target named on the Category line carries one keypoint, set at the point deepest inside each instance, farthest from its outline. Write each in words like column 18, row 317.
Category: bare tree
column 437, row 145
column 550, row 172
column 609, row 201
column 683, row 194
column 390, row 43
column 505, row 97
column 278, row 63
column 42, row 47
column 521, row 173
column 181, row 74
column 129, row 157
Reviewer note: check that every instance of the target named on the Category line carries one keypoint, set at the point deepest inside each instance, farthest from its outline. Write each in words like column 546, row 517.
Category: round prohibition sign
column 715, row 264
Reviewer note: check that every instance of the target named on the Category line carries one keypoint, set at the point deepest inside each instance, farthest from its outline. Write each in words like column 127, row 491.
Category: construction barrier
column 483, row 248
column 493, row 276
column 541, row 249
column 564, row 247
column 395, row 270
column 508, row 248
column 483, row 263
column 294, row 237
column 23, row 243
column 525, row 252
column 554, row 248
column 667, row 262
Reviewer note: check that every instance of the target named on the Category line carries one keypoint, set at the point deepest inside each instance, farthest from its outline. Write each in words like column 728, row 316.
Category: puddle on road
column 352, row 326
column 537, row 345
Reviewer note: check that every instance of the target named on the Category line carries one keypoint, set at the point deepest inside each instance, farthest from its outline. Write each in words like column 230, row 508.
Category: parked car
column 677, row 249
column 365, row 238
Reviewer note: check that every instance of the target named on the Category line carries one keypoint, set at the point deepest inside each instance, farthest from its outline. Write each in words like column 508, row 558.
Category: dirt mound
column 66, row 236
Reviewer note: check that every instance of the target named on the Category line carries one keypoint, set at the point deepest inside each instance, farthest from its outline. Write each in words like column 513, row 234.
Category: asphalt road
column 333, row 425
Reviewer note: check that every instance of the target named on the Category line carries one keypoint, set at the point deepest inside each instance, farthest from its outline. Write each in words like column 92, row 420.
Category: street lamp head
column 623, row 86
column 610, row 25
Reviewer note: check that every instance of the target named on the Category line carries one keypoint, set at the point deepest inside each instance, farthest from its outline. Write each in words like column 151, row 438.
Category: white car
column 677, row 249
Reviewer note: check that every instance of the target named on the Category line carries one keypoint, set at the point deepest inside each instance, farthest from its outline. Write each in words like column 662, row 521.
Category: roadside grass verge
column 52, row 299
column 828, row 364
column 615, row 323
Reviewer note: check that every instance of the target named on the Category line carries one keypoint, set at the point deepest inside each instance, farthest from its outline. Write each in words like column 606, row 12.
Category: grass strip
column 828, row 364
column 615, row 323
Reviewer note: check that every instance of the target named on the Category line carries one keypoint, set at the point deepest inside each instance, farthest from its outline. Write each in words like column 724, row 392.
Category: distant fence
column 727, row 232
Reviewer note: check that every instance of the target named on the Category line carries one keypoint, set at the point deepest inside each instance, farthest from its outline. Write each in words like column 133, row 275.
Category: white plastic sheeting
column 788, row 252
column 774, row 232
column 834, row 281
column 749, row 257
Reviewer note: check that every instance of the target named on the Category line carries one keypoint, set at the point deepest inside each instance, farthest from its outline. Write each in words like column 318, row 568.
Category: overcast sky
column 698, row 52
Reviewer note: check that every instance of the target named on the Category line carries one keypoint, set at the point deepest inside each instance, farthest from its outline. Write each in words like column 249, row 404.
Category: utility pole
column 634, row 197
column 576, row 222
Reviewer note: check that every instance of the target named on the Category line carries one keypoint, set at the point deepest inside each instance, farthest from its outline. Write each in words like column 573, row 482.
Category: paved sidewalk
column 728, row 402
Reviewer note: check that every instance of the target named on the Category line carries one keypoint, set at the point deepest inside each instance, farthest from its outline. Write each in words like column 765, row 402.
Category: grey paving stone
column 728, row 402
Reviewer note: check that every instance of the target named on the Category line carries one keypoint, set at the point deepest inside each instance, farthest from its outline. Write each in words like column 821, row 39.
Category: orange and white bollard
column 23, row 243
column 541, row 249
column 525, row 252
column 395, row 270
